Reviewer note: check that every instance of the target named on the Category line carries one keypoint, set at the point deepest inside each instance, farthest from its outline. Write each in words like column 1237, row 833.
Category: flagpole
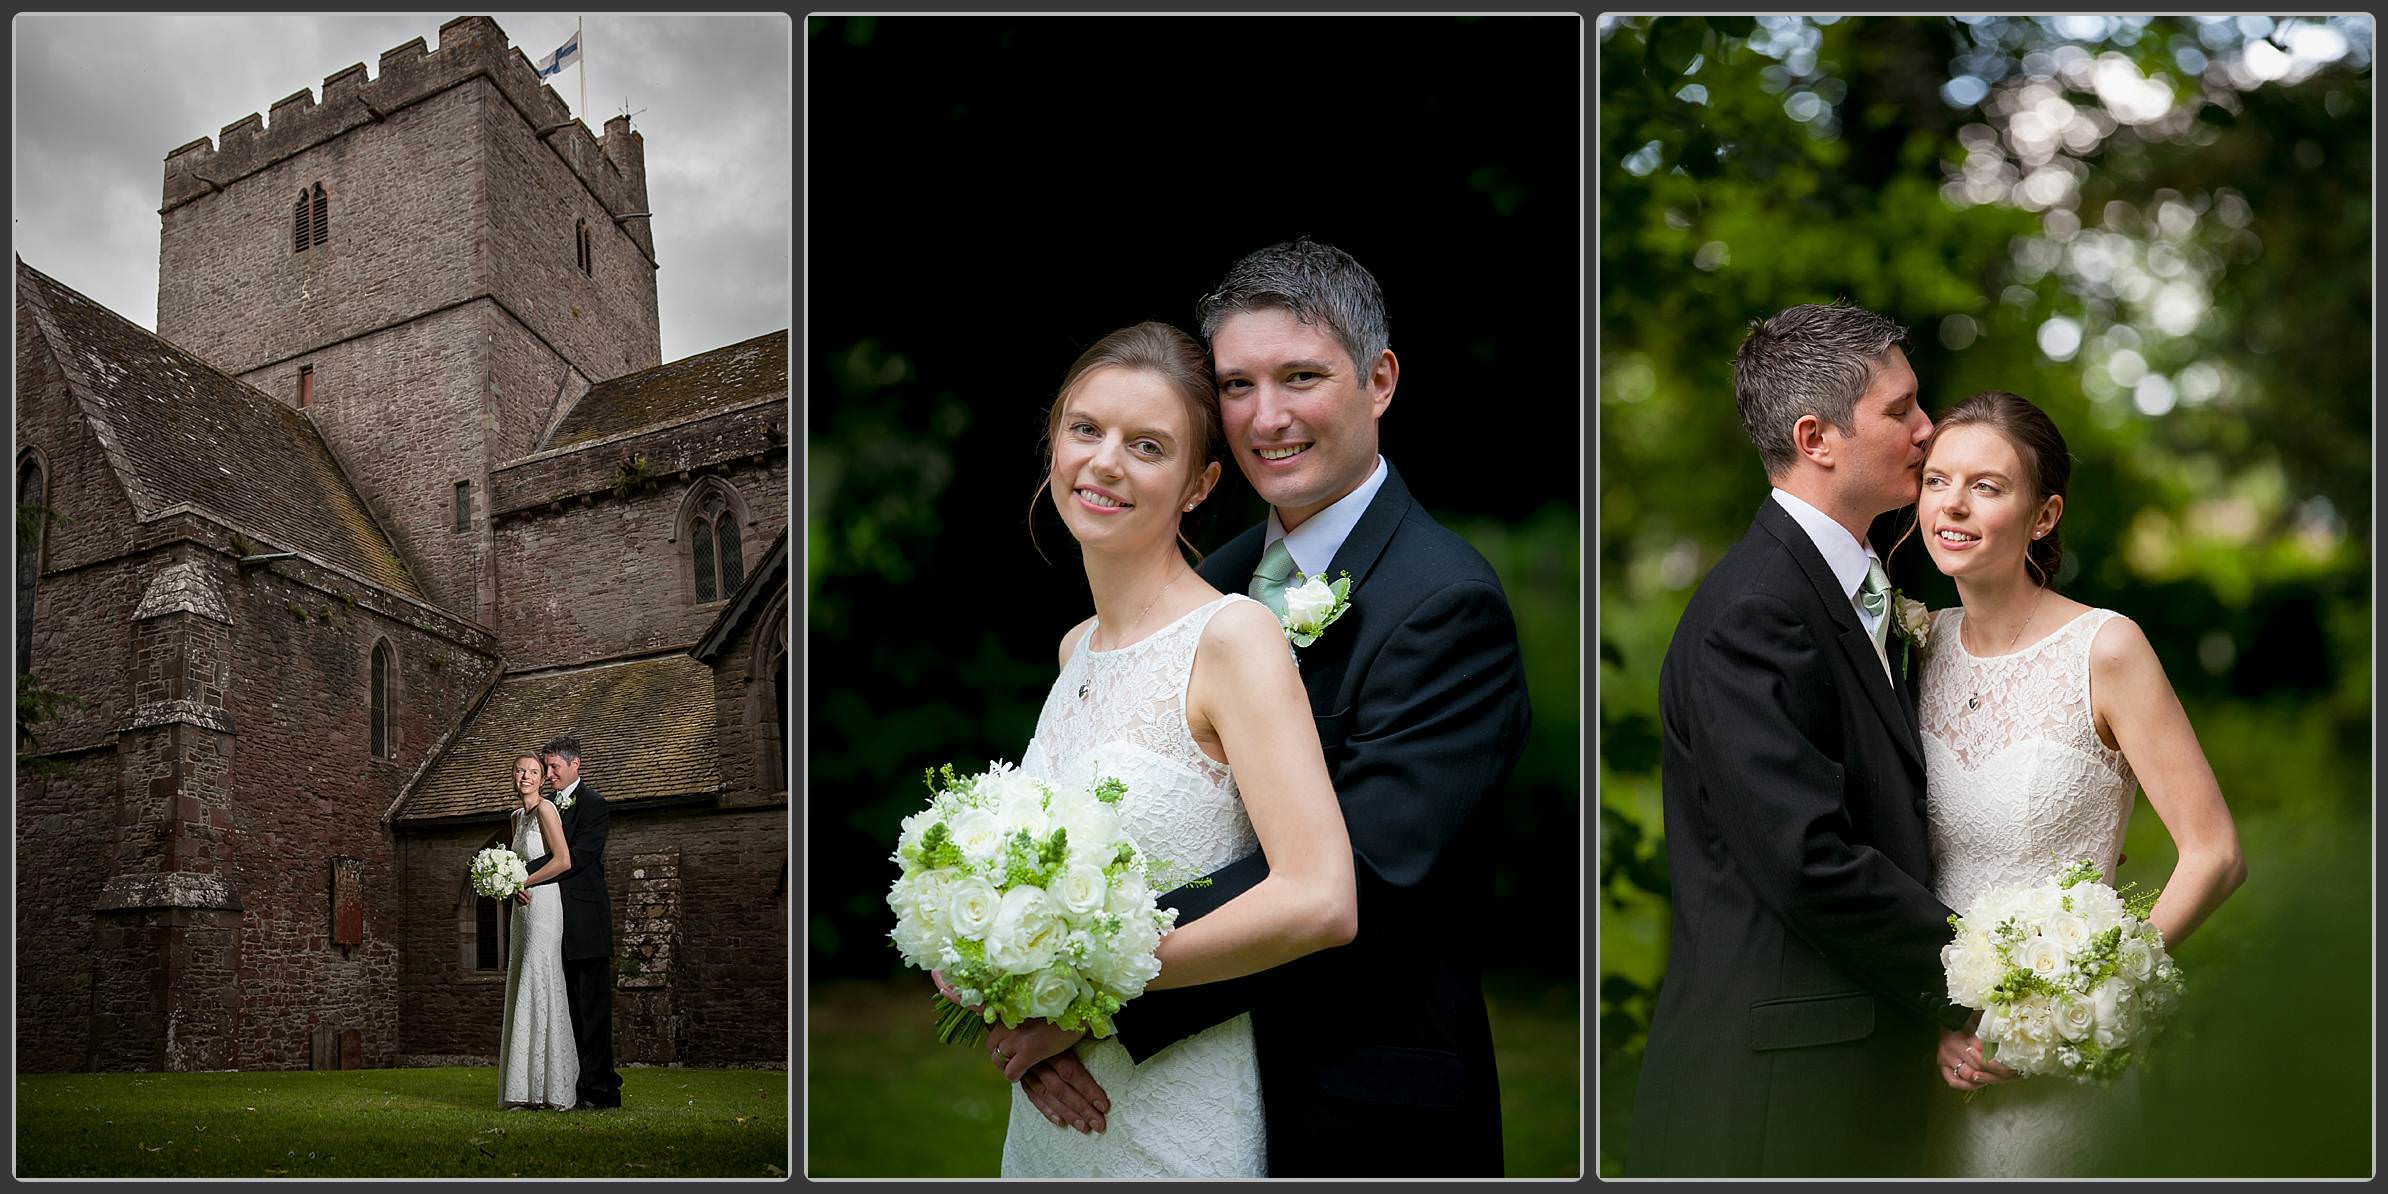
column 580, row 35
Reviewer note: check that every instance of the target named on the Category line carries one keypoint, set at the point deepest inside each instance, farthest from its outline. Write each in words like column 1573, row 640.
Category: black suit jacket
column 1794, row 1030
column 1376, row 1058
column 588, row 911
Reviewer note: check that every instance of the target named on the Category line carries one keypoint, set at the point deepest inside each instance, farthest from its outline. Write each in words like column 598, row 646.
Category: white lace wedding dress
column 2019, row 785
column 538, row 1064
column 1193, row 1109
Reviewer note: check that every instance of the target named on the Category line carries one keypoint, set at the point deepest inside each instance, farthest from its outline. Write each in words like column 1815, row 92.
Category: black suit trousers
column 589, row 989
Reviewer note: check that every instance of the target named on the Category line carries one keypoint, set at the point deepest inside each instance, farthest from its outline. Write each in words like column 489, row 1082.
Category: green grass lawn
column 439, row 1122
column 886, row 1100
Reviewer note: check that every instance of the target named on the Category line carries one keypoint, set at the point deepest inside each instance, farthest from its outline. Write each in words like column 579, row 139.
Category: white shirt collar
column 1315, row 542
column 567, row 789
column 1842, row 552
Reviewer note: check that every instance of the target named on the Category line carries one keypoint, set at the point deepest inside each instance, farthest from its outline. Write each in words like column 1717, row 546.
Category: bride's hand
column 947, row 989
column 1016, row 1049
column 1962, row 1065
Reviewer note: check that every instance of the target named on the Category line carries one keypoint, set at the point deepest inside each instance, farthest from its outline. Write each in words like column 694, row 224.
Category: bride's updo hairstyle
column 2047, row 464
column 1167, row 353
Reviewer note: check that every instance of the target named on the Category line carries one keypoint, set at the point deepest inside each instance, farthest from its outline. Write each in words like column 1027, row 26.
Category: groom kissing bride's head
column 1827, row 395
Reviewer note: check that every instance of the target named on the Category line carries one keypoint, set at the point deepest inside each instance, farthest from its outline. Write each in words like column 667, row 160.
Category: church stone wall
column 406, row 413
column 311, row 792
column 604, row 322
column 609, row 576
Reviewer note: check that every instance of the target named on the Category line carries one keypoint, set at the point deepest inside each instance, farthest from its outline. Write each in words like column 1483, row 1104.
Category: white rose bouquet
column 2070, row 977
column 498, row 873
column 1030, row 898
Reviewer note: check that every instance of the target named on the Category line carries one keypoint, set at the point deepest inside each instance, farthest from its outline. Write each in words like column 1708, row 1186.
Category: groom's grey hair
column 1808, row 360
column 1317, row 284
column 566, row 746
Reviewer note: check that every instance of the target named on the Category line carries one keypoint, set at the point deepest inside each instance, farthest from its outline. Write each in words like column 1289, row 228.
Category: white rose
column 1914, row 618
column 2042, row 956
column 978, row 834
column 1130, row 895
column 972, row 907
column 2075, row 1018
column 1307, row 604
column 1022, row 806
column 1050, row 993
column 1027, row 932
column 2070, row 930
column 1080, row 889
column 2137, row 960
column 1094, row 830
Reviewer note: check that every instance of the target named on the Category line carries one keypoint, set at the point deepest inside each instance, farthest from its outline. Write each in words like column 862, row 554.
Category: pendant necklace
column 1975, row 700
column 1137, row 620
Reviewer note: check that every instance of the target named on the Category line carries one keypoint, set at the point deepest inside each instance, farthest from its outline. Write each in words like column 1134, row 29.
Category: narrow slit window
column 488, row 953
column 322, row 218
column 733, row 571
column 306, row 386
column 298, row 224
column 464, row 505
column 581, row 245
column 381, row 701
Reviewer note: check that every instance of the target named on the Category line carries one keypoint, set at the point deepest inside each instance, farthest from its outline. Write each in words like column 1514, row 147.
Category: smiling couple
column 1319, row 1009
column 1832, row 797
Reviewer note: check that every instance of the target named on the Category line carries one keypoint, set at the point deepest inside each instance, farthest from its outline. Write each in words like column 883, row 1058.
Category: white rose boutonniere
column 1314, row 605
column 1913, row 621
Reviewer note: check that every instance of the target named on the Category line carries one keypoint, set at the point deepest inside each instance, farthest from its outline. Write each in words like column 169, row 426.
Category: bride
column 2040, row 717
column 538, row 1064
column 1191, row 698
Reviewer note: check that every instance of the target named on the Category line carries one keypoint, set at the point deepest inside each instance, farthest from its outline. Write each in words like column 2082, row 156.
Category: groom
column 1793, row 1032
column 588, row 925
column 1375, row 1058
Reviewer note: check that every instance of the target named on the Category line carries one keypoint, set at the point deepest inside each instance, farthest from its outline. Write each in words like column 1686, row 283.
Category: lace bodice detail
column 1194, row 1108
column 1130, row 725
column 2018, row 783
column 2017, row 780
column 529, row 841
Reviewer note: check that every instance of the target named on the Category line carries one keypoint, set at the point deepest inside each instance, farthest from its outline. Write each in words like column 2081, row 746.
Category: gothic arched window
column 310, row 219
column 713, row 548
column 382, row 681
column 32, row 517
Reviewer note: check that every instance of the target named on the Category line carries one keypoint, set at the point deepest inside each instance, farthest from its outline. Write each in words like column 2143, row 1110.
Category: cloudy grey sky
column 101, row 99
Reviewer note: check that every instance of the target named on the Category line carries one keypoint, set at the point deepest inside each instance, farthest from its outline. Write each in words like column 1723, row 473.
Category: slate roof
column 178, row 431
column 742, row 373
column 646, row 730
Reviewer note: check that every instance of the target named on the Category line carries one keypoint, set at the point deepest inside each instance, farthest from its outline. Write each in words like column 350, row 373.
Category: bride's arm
column 1246, row 688
column 2134, row 702
column 551, row 829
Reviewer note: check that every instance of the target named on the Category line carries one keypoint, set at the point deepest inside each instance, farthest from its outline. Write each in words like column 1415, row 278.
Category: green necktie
column 1874, row 595
column 1273, row 577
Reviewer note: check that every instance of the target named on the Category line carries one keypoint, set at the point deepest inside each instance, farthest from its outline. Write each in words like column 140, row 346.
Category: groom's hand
column 1066, row 1093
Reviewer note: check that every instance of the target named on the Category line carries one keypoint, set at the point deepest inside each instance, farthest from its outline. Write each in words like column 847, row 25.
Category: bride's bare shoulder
column 1069, row 642
column 1244, row 628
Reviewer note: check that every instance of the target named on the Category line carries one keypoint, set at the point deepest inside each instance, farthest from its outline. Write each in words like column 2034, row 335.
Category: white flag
column 565, row 55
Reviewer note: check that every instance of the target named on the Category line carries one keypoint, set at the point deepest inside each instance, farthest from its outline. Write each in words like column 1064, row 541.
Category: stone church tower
column 435, row 263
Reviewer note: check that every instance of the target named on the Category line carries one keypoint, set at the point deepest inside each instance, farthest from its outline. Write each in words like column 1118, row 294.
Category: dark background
column 2214, row 265
column 990, row 196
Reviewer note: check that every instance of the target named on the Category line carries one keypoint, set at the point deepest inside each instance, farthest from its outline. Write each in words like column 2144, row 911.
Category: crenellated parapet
column 613, row 165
